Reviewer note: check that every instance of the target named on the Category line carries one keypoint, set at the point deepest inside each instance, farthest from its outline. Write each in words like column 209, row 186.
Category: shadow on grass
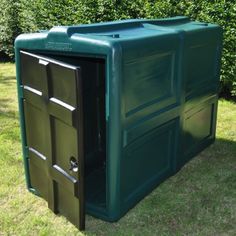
column 4, row 109
column 6, row 80
column 6, row 102
column 199, row 199
column 187, row 199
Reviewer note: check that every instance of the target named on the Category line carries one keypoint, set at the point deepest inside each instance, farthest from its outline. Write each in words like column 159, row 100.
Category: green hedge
column 20, row 16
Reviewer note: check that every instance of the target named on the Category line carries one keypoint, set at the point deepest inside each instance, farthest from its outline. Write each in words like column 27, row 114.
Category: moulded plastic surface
column 161, row 79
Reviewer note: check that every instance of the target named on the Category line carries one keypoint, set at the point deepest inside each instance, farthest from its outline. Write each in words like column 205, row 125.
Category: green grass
column 198, row 200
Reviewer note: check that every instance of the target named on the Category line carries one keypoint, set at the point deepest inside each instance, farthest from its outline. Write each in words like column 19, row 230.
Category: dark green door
column 54, row 131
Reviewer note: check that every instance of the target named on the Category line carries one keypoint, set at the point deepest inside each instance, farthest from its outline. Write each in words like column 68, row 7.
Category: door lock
column 73, row 165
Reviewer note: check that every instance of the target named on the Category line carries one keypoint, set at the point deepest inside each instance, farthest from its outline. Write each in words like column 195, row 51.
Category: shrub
column 31, row 15
column 9, row 28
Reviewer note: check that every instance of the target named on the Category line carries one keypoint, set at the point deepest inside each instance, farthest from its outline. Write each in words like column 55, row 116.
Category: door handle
column 74, row 165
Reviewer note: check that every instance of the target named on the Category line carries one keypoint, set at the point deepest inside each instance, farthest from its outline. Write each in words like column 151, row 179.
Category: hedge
column 19, row 16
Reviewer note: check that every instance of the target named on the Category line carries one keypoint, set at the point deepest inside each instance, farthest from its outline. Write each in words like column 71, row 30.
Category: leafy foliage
column 8, row 25
column 20, row 16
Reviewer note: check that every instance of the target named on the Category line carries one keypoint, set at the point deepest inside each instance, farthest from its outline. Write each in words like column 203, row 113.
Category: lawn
column 199, row 200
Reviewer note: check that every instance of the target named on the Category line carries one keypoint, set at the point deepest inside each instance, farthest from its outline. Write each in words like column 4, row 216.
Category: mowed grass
column 199, row 200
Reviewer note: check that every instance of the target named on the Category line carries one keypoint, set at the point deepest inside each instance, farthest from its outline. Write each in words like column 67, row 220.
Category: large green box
column 110, row 110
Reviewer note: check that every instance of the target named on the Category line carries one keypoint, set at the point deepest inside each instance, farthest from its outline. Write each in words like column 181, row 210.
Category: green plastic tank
column 108, row 111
